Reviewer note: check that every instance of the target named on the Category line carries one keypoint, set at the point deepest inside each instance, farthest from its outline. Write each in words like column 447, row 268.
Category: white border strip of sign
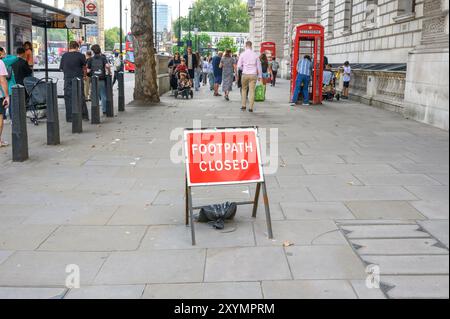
column 225, row 130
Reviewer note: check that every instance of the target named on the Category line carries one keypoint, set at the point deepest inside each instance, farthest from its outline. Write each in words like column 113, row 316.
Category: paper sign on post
column 223, row 156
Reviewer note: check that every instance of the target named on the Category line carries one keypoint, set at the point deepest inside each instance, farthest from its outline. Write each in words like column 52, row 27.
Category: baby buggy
column 184, row 88
column 329, row 89
column 36, row 101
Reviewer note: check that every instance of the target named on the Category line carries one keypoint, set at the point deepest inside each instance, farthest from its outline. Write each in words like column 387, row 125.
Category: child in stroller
column 184, row 86
column 329, row 84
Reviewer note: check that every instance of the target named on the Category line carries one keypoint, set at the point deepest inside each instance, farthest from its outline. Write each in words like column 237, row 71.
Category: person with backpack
column 21, row 68
column 274, row 67
column 99, row 66
column 117, row 67
column 73, row 64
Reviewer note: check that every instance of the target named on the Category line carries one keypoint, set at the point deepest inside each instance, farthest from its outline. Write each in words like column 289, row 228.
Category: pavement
column 359, row 193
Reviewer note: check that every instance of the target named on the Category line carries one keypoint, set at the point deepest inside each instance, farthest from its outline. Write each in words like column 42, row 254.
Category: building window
column 406, row 7
column 348, row 14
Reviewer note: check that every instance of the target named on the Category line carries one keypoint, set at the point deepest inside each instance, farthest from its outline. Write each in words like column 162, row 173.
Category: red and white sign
column 223, row 156
column 91, row 8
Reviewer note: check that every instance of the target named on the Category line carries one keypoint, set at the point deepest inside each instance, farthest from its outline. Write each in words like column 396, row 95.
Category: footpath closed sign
column 223, row 156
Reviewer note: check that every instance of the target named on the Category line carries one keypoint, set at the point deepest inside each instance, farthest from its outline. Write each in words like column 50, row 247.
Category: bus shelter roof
column 42, row 15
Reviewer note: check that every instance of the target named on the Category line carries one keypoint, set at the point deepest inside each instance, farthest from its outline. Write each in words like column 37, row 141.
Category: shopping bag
column 260, row 93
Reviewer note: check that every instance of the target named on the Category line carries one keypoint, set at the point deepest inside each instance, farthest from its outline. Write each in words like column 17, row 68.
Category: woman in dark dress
column 176, row 61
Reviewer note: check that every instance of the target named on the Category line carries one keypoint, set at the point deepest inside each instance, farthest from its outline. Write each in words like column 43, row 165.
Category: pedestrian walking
column 251, row 72
column 197, row 72
column 274, row 67
column 217, row 70
column 211, row 77
column 304, row 68
column 205, row 71
column 173, row 64
column 20, row 68
column 9, row 61
column 347, row 79
column 192, row 63
column 4, row 99
column 265, row 69
column 87, row 78
column 99, row 66
column 228, row 66
column 73, row 65
column 117, row 67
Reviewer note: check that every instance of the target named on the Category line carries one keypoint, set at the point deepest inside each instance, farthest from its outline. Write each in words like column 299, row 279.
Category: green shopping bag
column 260, row 93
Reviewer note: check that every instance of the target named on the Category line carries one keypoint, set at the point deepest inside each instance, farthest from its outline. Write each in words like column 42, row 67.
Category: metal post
column 267, row 205
column 77, row 122
column 191, row 213
column 109, row 97
column 121, row 80
column 121, row 31
column 19, row 124
column 190, row 40
column 95, row 101
column 256, row 203
column 156, row 26
column 179, row 25
column 46, row 51
column 53, row 136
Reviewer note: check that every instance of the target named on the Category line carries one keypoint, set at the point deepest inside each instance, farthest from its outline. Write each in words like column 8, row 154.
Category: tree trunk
column 146, row 86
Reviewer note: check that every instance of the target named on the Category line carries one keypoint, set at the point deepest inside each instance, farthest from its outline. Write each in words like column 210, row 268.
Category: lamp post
column 179, row 25
column 121, row 32
column 156, row 25
column 126, row 20
column 190, row 39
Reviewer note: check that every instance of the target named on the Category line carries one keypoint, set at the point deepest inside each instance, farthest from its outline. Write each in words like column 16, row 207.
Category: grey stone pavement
column 356, row 186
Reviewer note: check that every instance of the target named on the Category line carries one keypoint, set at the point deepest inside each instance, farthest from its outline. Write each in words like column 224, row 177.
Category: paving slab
column 383, row 210
column 433, row 210
column 409, row 246
column 406, row 287
column 156, row 266
column 325, row 262
column 384, row 231
column 202, row 291
column 4, row 254
column 366, row 293
column 430, row 193
column 438, row 228
column 106, row 292
column 360, row 193
column 48, row 269
column 123, row 197
column 95, row 238
column 24, row 237
column 246, row 264
column 316, row 210
column 148, row 215
column 81, row 214
column 329, row 169
column 31, row 293
column 397, row 179
column 308, row 289
column 235, row 234
column 441, row 178
column 306, row 232
column 410, row 265
column 317, row 180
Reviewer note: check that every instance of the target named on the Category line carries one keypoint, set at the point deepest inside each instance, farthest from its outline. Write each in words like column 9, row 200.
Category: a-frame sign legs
column 267, row 206
column 190, row 212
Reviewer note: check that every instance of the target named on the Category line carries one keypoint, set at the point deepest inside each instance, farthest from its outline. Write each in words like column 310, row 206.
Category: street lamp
column 190, row 39
column 156, row 25
column 126, row 20
column 121, row 32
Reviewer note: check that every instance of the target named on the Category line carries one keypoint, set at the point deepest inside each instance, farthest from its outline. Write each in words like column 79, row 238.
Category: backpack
column 98, row 67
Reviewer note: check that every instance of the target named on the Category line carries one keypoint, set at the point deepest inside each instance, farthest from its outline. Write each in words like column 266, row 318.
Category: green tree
column 227, row 43
column 112, row 36
column 203, row 40
column 216, row 16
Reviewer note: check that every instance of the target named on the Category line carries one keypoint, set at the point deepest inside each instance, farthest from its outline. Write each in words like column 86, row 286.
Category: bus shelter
column 46, row 27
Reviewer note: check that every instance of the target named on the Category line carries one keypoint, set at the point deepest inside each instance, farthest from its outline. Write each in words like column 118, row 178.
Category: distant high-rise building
column 163, row 17
column 76, row 7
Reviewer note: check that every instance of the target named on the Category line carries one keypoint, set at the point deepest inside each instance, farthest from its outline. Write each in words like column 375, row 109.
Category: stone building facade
column 378, row 34
column 76, row 6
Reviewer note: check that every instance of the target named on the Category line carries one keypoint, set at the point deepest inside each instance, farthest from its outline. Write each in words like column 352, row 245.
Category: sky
column 113, row 15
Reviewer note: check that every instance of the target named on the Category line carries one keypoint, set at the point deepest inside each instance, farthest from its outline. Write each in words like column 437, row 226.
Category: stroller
column 185, row 91
column 329, row 89
column 36, row 102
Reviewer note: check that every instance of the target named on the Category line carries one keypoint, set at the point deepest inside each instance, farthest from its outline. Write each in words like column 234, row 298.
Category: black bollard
column 121, row 79
column 95, row 101
column 109, row 97
column 19, row 124
column 77, row 116
column 53, row 136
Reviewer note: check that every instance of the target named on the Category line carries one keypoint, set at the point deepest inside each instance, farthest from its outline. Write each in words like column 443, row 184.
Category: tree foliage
column 112, row 36
column 216, row 16
column 203, row 41
column 227, row 43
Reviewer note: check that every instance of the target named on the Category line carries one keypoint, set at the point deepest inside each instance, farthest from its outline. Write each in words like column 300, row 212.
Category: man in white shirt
column 4, row 99
column 347, row 79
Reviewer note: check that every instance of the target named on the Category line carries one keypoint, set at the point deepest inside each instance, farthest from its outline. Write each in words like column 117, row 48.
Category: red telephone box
column 269, row 48
column 309, row 40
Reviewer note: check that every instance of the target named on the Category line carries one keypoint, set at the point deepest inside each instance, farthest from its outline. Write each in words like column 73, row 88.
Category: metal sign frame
column 260, row 184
